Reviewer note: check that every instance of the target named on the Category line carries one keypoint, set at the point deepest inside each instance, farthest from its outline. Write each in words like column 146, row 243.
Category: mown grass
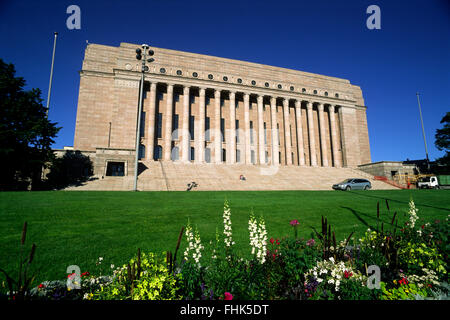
column 76, row 228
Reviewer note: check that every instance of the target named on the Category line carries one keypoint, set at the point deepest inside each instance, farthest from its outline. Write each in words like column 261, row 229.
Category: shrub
column 152, row 282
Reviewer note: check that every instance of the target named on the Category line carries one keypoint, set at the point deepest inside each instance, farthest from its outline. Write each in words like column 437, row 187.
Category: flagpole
column 51, row 72
column 423, row 130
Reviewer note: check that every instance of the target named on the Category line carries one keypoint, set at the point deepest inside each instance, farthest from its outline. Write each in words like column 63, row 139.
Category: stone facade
column 199, row 108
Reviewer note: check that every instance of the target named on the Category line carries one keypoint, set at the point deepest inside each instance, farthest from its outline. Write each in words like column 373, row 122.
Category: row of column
column 231, row 139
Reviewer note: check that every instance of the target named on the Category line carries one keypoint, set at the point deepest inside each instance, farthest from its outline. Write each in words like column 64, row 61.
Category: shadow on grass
column 386, row 220
column 366, row 194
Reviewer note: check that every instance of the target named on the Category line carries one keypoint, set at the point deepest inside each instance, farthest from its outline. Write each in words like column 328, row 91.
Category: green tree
column 25, row 132
column 442, row 143
column 73, row 168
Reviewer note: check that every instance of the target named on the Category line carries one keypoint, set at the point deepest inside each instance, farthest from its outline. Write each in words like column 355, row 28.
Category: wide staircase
column 175, row 176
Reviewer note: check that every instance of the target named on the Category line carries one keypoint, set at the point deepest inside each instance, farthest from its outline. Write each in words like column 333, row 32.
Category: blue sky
column 410, row 53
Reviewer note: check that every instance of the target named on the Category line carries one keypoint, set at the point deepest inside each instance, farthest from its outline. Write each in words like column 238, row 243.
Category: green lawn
column 79, row 227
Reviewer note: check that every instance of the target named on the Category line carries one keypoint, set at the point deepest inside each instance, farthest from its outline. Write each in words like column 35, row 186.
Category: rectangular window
column 207, row 129
column 208, row 155
column 238, row 155
column 142, row 129
column 267, row 157
column 160, row 96
column 222, row 102
column 252, row 155
column 265, row 133
column 192, row 99
column 222, row 128
column 207, row 100
column 159, row 126
column 175, row 126
column 237, row 131
column 176, row 97
column 251, row 132
column 192, row 154
column 278, row 133
column 191, row 126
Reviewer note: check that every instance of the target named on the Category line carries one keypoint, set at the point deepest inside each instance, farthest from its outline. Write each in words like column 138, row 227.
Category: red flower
column 403, row 281
column 423, row 226
column 278, row 241
column 347, row 274
column 228, row 296
column 41, row 286
column 272, row 240
column 85, row 274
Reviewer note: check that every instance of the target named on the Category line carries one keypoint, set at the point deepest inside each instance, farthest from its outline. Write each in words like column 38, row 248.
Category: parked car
column 353, row 184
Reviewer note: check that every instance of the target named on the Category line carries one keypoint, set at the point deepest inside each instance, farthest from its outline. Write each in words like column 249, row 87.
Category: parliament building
column 204, row 110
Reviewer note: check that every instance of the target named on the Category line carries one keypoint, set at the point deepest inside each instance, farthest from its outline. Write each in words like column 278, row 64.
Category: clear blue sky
column 410, row 53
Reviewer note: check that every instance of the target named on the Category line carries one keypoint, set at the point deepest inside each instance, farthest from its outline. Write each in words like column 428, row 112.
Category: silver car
column 353, row 184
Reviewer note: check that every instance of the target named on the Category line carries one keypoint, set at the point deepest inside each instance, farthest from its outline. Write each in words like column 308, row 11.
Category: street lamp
column 141, row 54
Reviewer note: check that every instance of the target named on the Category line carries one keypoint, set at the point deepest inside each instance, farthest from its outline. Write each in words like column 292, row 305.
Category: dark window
column 222, row 102
column 337, row 95
column 267, row 157
column 191, row 126
column 142, row 129
column 162, row 70
column 252, row 156
column 192, row 99
column 315, row 91
column 207, row 155
column 159, row 126
column 160, row 96
column 225, row 78
column 176, row 97
column 224, row 155
column 326, row 93
column 237, row 131
column 303, row 90
column 115, row 169
column 141, row 151
column 291, row 88
column 280, row 86
column 158, row 153
column 195, row 74
column 179, row 72
column 207, row 100
column 175, row 126
column 266, row 84
column 192, row 154
column 238, row 155
column 251, row 132
column 210, row 76
column 207, row 128
column 222, row 128
column 253, row 82
column 239, row 80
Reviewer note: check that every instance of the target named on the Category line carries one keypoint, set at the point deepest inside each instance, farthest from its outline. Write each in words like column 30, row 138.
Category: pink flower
column 310, row 242
column 228, row 296
column 294, row 222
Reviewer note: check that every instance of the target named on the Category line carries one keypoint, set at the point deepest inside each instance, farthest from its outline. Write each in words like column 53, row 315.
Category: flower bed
column 388, row 263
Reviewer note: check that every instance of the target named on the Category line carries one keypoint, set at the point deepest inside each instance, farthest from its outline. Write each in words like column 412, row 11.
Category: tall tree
column 442, row 142
column 25, row 132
